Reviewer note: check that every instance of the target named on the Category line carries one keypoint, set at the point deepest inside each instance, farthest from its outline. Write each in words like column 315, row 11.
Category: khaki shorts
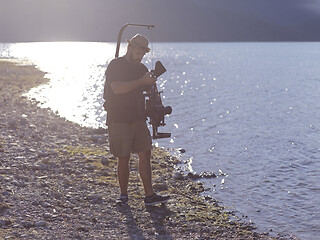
column 126, row 138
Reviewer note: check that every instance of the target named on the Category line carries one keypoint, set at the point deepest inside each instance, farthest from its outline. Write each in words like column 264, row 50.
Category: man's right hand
column 148, row 79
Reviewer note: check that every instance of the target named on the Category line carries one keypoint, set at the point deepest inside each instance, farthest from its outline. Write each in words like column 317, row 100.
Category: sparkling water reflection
column 76, row 71
column 247, row 111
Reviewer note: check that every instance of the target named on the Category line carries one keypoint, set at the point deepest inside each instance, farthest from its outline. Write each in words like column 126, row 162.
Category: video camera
column 154, row 107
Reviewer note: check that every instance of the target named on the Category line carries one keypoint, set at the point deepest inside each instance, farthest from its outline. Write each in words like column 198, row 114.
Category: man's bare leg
column 123, row 174
column 145, row 172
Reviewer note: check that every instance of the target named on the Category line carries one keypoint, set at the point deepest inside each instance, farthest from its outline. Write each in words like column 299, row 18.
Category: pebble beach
column 58, row 180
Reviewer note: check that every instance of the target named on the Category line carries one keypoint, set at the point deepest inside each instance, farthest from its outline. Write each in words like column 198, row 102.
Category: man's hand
column 148, row 79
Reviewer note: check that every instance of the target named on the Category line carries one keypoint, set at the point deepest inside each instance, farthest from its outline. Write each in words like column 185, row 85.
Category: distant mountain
column 175, row 20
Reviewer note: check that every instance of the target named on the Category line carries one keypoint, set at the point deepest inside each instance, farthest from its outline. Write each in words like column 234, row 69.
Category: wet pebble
column 181, row 150
column 208, row 175
column 193, row 175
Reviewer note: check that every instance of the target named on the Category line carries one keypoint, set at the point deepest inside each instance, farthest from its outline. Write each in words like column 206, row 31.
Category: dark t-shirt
column 128, row 107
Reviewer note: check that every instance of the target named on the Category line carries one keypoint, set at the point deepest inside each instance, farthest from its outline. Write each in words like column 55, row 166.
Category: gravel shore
column 58, row 181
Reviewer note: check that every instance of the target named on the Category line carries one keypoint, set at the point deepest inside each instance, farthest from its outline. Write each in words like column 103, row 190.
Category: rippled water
column 247, row 110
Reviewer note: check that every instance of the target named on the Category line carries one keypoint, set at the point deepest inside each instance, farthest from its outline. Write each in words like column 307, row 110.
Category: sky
column 175, row 20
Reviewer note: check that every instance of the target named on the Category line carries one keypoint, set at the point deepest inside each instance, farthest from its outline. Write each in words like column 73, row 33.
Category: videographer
column 126, row 79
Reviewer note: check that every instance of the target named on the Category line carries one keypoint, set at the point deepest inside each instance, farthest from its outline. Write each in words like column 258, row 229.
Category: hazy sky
column 175, row 20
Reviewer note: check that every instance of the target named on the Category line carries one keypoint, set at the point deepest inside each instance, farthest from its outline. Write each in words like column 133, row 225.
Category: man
column 126, row 79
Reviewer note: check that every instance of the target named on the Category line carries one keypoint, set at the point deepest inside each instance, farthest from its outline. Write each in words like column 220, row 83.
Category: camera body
column 155, row 110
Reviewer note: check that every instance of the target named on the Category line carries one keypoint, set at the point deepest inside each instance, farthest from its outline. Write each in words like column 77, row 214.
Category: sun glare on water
column 74, row 68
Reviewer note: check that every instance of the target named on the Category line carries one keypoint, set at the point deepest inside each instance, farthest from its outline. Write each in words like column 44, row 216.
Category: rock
column 104, row 172
column 35, row 203
column 5, row 170
column 66, row 182
column 207, row 175
column 68, row 170
column 104, row 161
column 160, row 186
column 13, row 124
column 47, row 215
column 95, row 197
column 95, row 138
column 26, row 224
column 83, row 229
column 40, row 224
column 90, row 167
column 54, row 127
column 178, row 176
column 42, row 177
column 208, row 198
column 3, row 207
column 45, row 204
column 23, row 122
column 43, row 154
column 83, row 187
column 6, row 193
column 39, row 167
column 21, row 184
column 181, row 150
column 193, row 175
column 100, row 130
column 24, row 178
column 5, row 222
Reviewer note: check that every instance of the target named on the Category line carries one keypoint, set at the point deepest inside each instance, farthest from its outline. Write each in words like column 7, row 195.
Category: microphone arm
column 122, row 29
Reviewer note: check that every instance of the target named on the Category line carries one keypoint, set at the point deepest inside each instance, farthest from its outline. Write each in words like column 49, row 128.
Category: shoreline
column 58, row 180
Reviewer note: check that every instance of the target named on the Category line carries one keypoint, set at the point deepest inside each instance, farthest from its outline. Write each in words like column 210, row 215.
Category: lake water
column 250, row 111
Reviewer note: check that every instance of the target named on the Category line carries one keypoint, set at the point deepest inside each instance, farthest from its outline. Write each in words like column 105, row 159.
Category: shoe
column 123, row 200
column 155, row 199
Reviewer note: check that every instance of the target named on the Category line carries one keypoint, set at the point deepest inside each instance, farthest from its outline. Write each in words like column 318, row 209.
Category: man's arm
column 119, row 87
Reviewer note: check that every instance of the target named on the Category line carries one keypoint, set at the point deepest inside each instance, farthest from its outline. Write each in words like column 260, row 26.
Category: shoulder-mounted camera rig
column 154, row 107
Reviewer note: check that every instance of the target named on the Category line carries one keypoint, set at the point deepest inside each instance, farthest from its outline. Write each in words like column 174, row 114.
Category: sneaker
column 123, row 200
column 155, row 199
